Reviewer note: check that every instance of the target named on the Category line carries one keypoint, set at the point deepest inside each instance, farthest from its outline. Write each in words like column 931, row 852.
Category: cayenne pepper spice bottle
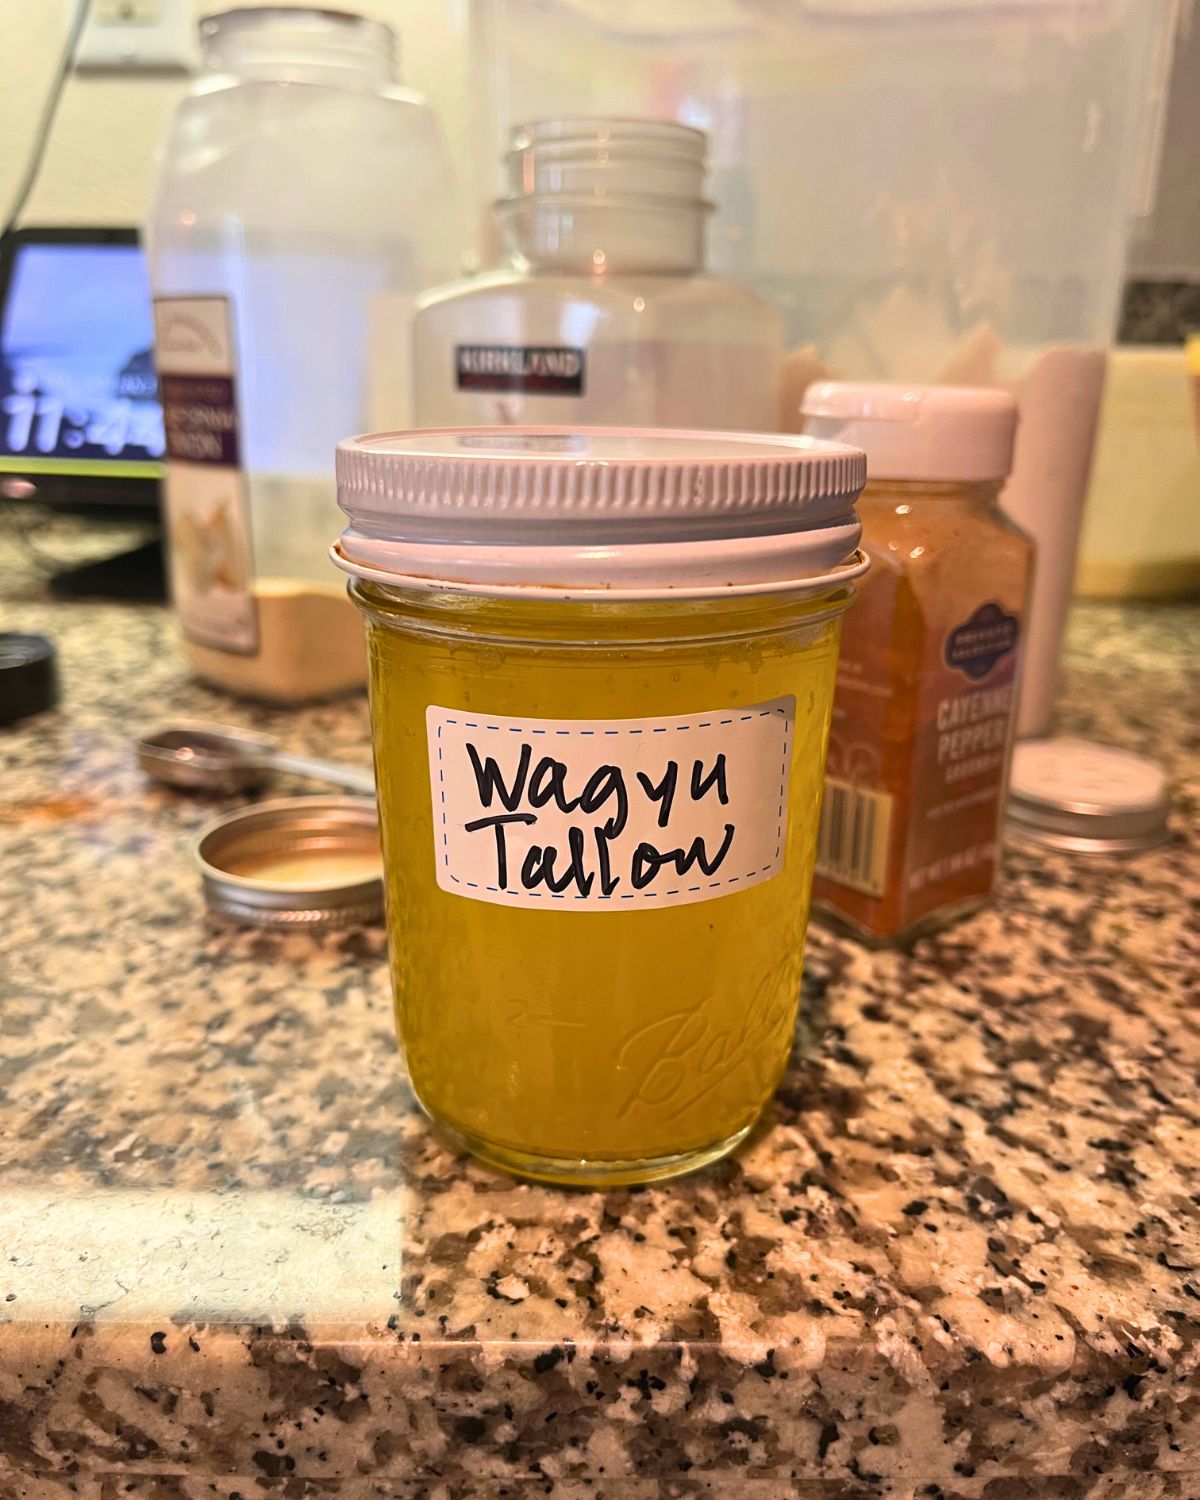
column 926, row 697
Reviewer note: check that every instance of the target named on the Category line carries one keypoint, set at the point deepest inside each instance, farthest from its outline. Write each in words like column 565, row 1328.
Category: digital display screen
column 78, row 391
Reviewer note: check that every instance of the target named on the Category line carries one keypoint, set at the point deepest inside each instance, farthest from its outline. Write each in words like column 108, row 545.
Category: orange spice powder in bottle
column 926, row 697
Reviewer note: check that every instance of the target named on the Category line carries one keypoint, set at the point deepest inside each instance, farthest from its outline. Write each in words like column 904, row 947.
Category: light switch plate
column 130, row 36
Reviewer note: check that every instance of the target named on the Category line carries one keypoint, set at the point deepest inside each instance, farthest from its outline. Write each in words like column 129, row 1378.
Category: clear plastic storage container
column 604, row 312
column 933, row 190
column 302, row 201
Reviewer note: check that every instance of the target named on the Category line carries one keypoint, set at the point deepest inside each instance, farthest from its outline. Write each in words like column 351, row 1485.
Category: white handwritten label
column 609, row 814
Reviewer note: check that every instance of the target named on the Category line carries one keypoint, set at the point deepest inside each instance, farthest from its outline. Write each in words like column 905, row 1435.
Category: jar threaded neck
column 605, row 195
column 300, row 44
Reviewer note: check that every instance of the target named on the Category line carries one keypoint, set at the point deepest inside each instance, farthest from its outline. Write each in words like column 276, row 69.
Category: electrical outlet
column 128, row 36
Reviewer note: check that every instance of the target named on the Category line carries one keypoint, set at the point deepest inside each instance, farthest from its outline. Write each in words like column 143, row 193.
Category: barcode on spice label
column 853, row 842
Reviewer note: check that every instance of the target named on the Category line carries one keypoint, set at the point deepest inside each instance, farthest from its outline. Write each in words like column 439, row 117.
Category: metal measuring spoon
column 210, row 758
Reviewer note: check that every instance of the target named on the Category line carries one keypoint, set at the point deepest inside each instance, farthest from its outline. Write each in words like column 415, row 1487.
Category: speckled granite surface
column 961, row 1259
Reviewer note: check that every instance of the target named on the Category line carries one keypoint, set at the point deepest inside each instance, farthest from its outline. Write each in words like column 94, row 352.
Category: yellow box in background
column 1141, row 527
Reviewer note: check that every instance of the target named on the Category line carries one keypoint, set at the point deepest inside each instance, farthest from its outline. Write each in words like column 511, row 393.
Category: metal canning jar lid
column 295, row 862
column 599, row 513
column 1083, row 798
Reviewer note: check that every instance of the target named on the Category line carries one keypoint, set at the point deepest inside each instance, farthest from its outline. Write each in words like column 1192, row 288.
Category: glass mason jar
column 302, row 201
column 604, row 313
column 602, row 669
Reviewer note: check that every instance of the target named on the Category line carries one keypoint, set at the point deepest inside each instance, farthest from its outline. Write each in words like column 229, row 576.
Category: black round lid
column 28, row 676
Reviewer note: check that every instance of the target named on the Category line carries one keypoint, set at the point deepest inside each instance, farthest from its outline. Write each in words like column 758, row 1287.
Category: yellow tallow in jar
column 602, row 668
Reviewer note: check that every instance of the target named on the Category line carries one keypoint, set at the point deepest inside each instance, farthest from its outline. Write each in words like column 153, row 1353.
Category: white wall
column 100, row 163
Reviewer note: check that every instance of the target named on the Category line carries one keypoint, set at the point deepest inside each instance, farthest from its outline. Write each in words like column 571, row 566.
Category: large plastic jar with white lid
column 303, row 200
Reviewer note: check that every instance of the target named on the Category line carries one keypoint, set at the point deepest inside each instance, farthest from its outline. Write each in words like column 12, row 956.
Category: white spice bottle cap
column 944, row 433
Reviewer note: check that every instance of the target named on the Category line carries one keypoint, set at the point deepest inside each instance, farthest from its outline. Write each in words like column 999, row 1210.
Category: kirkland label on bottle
column 534, row 371
column 609, row 814
column 211, row 562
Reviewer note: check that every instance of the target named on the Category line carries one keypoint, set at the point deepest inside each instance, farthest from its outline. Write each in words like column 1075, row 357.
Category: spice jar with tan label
column 927, row 682
column 302, row 201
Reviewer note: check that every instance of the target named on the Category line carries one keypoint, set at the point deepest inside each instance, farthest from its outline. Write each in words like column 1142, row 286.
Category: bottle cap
column 1085, row 798
column 295, row 862
column 28, row 676
column 602, row 513
column 944, row 433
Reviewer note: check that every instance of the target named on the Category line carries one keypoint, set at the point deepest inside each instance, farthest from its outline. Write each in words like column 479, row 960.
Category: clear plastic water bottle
column 303, row 200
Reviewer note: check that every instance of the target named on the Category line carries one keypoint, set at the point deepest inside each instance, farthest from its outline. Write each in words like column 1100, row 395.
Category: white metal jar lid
column 616, row 513
column 1085, row 798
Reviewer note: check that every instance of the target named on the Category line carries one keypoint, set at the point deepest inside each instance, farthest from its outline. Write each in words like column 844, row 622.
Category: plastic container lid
column 1085, row 798
column 295, row 862
column 612, row 513
column 939, row 432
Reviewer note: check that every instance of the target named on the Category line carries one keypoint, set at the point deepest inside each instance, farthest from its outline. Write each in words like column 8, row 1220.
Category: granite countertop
column 961, row 1259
